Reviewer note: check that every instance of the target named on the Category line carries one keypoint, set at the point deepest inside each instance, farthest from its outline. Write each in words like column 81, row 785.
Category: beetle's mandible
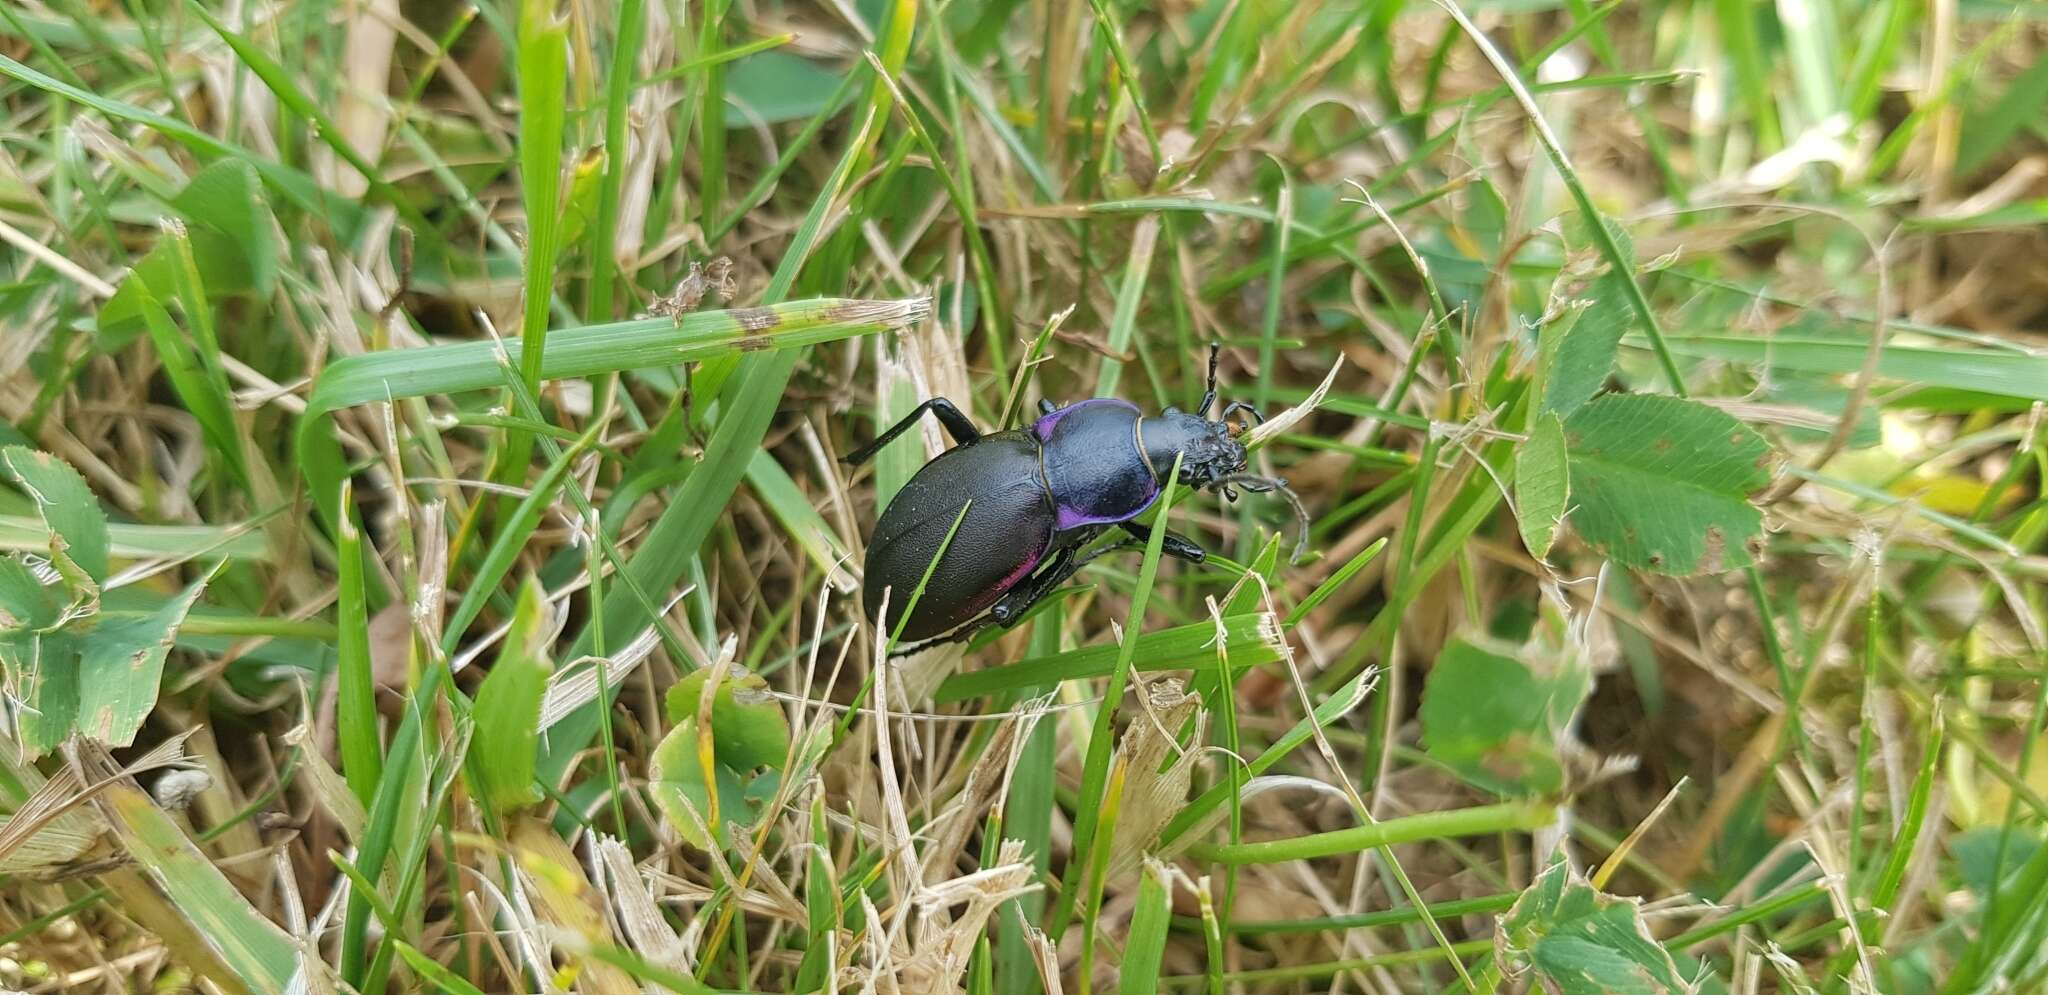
column 1035, row 498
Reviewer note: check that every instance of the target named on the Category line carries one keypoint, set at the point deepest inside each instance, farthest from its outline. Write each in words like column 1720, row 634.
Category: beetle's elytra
column 1035, row 498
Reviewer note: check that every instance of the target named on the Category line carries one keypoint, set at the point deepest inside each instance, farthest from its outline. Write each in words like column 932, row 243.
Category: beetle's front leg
column 1178, row 546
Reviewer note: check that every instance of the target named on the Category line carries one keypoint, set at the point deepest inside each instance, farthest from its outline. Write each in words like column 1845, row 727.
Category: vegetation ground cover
column 427, row 565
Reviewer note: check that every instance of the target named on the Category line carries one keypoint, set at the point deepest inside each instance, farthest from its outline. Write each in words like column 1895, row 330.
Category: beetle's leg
column 1033, row 589
column 1065, row 563
column 1178, row 546
column 1046, row 407
column 957, row 425
column 1209, row 398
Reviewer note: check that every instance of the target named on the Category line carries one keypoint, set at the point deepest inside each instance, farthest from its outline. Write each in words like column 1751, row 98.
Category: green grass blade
column 1252, row 640
column 1449, row 824
column 431, row 970
column 511, row 540
column 152, row 542
column 507, row 711
column 257, row 951
column 1129, row 294
column 1596, row 222
column 543, row 56
column 577, row 352
column 292, row 98
column 748, row 404
column 790, row 507
column 301, row 188
column 1145, row 945
column 362, row 757
column 593, row 350
column 1095, row 769
column 619, row 86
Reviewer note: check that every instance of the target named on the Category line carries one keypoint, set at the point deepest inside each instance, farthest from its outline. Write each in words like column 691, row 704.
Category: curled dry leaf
column 1152, row 796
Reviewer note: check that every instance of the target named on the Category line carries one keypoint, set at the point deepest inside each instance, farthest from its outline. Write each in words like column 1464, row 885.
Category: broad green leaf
column 748, row 732
column 748, row 729
column 1662, row 483
column 1579, row 367
column 97, row 676
column 73, row 667
column 1542, row 484
column 227, row 198
column 1988, row 855
column 1494, row 716
column 42, row 676
column 677, row 782
column 1577, row 941
column 121, row 665
column 24, row 601
column 225, row 269
column 1582, row 237
column 507, row 711
column 774, row 87
column 78, row 529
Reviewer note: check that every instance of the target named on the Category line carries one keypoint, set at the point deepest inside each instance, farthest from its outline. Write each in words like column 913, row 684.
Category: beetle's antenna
column 1209, row 398
column 1245, row 408
column 1274, row 485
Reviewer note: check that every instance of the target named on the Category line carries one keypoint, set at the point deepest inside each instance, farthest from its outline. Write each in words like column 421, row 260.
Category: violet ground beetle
column 1039, row 496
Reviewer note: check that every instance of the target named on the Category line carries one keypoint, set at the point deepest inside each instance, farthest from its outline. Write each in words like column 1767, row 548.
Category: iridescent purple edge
column 1022, row 571
column 1070, row 519
column 1042, row 428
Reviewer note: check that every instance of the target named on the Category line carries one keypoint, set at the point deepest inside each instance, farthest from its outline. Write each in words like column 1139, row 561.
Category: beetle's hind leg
column 958, row 425
column 1013, row 606
column 1034, row 588
column 1016, row 604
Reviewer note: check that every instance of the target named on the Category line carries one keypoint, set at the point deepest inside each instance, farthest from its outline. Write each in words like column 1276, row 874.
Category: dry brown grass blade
column 57, row 804
column 633, row 905
column 564, row 900
column 48, row 828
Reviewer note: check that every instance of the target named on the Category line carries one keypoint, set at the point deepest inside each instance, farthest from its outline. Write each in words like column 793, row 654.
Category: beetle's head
column 1208, row 450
